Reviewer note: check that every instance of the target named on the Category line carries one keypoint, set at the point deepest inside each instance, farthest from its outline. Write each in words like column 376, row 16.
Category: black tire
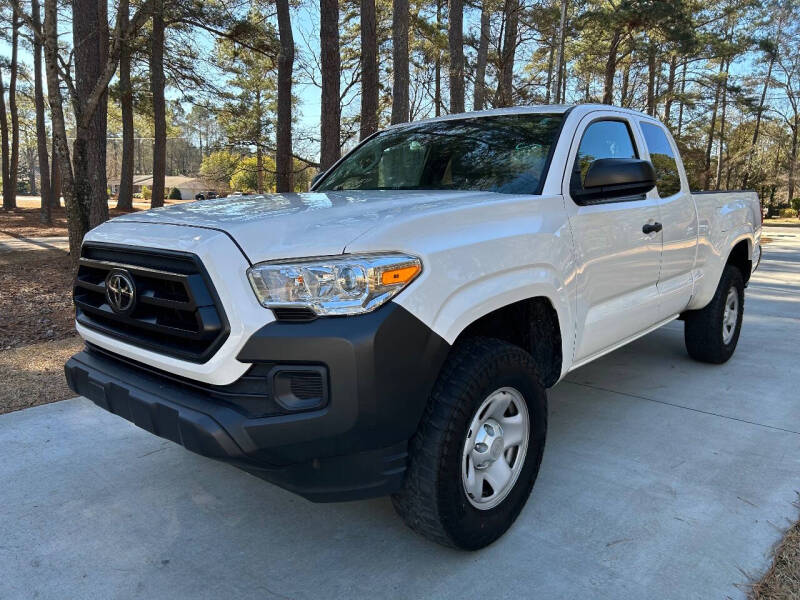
column 703, row 329
column 433, row 501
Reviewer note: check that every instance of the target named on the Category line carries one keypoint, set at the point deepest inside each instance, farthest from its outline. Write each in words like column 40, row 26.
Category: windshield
column 506, row 154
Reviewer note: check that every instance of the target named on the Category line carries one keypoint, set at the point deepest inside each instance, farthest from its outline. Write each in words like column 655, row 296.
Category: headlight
column 341, row 285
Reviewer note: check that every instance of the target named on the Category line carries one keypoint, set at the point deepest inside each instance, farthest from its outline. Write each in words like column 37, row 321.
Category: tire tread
column 418, row 502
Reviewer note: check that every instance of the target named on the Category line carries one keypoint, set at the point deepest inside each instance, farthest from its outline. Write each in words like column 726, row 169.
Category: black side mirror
column 617, row 178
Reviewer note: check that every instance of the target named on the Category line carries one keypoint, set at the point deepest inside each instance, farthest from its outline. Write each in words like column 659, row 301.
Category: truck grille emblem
column 120, row 291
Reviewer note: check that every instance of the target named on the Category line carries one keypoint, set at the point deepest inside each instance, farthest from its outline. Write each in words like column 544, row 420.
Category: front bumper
column 381, row 369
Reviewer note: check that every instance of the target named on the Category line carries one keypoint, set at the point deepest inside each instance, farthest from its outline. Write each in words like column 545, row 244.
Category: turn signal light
column 401, row 275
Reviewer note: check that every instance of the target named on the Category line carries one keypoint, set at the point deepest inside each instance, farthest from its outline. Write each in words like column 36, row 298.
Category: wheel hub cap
column 495, row 447
column 730, row 315
column 489, row 445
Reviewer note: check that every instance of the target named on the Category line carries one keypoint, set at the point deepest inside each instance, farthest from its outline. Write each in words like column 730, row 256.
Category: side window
column 602, row 139
column 668, row 181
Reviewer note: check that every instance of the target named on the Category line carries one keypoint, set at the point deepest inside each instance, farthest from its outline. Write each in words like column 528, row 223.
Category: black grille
column 306, row 385
column 298, row 315
column 177, row 311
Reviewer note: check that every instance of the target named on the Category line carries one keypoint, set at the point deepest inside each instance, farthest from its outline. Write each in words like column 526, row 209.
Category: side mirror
column 617, row 178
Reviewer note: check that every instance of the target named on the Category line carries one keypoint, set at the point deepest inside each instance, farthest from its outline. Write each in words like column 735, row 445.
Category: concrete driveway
column 663, row 478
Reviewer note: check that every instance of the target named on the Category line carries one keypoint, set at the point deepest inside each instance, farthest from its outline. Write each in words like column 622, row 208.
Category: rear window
column 668, row 181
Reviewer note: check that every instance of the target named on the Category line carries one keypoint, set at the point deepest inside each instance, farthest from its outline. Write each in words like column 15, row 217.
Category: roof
column 525, row 110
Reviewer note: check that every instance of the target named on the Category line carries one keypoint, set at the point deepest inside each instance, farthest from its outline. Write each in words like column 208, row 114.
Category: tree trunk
column 7, row 203
column 77, row 216
column 651, row 79
column 284, row 179
column 626, row 84
column 259, row 169
column 30, row 159
column 55, row 178
column 90, row 40
column 611, row 67
column 483, row 57
column 793, row 159
column 157, row 84
column 712, row 126
column 455, row 38
column 437, row 67
column 551, row 57
column 673, row 67
column 505, row 84
column 560, row 61
column 331, row 110
column 767, row 79
column 45, row 215
column 13, row 162
column 680, row 104
column 369, row 69
column 400, row 83
column 720, row 146
column 125, row 195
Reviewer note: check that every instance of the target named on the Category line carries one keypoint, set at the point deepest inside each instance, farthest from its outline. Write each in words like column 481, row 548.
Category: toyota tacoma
column 395, row 329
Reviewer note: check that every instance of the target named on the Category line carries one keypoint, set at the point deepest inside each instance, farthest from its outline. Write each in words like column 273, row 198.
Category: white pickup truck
column 394, row 330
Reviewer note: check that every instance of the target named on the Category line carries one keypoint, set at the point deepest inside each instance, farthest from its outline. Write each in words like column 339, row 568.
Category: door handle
column 652, row 228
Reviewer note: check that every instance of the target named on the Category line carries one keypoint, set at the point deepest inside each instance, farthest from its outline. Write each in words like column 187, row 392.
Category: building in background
column 188, row 186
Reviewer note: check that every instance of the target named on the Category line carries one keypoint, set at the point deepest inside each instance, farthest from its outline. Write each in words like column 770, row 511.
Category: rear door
column 617, row 263
column 678, row 217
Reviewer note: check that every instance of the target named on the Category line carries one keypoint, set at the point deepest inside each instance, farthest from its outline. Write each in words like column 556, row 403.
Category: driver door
column 617, row 262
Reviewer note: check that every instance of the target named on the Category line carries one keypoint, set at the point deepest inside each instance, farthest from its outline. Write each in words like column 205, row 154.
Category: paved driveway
column 663, row 478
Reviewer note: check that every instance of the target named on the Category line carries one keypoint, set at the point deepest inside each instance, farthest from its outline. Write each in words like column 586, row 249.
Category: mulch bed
column 37, row 319
column 36, row 299
column 25, row 222
column 782, row 580
column 34, row 374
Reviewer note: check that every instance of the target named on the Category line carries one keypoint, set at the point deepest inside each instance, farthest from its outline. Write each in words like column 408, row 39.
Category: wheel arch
column 739, row 252
column 741, row 257
column 532, row 324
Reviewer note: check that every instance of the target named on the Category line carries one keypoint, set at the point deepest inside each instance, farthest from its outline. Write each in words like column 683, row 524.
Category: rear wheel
column 711, row 334
column 475, row 457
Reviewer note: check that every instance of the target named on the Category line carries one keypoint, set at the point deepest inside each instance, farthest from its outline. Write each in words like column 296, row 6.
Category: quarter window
column 668, row 181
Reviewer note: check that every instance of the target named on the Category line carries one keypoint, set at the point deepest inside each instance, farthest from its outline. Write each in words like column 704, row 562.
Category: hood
column 275, row 226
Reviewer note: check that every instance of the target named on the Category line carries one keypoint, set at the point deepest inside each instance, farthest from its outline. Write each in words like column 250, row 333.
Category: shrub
column 175, row 194
column 788, row 213
column 146, row 193
column 796, row 204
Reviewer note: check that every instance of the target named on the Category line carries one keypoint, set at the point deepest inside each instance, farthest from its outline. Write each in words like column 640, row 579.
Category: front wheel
column 476, row 455
column 711, row 334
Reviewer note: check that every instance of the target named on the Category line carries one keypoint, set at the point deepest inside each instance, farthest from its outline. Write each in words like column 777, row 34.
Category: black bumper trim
column 381, row 366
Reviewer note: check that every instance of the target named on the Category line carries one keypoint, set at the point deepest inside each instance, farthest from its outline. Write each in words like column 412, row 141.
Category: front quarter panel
column 482, row 257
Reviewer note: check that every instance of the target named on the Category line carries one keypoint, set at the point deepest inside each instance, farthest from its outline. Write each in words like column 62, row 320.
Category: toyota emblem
column 120, row 291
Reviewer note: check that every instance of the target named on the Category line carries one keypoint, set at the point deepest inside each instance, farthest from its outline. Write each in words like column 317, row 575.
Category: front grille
column 176, row 311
